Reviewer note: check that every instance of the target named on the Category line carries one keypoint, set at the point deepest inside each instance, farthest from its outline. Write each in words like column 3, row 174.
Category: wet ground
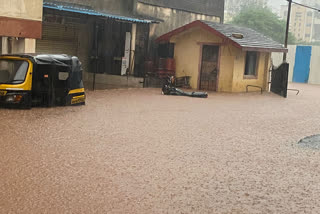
column 135, row 151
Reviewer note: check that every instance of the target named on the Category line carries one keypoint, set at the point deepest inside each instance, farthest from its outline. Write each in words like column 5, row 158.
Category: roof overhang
column 91, row 12
column 269, row 50
column 166, row 38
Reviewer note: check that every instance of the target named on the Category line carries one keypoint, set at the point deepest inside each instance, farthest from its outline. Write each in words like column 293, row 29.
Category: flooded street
column 136, row 151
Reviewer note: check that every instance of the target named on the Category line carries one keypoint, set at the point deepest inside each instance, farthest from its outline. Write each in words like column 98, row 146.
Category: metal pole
column 287, row 30
column 94, row 81
column 96, row 55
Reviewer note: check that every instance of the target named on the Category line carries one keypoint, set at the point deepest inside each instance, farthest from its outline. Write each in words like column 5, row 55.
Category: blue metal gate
column 302, row 64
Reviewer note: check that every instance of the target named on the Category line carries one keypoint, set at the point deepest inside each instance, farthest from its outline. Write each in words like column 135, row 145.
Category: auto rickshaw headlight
column 14, row 98
column 10, row 99
column 17, row 98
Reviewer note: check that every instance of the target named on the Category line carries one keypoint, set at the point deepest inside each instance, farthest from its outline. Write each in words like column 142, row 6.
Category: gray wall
column 206, row 7
column 118, row 6
column 172, row 18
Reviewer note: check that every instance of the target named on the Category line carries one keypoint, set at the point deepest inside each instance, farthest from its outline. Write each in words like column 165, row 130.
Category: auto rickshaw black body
column 40, row 80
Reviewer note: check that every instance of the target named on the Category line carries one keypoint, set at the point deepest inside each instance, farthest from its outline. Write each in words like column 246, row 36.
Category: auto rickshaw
column 40, row 80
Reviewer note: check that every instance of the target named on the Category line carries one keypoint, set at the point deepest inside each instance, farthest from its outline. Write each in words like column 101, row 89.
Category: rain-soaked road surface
column 135, row 151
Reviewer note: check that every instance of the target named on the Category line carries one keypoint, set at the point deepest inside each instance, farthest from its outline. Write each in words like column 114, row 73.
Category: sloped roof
column 89, row 11
column 252, row 40
column 208, row 7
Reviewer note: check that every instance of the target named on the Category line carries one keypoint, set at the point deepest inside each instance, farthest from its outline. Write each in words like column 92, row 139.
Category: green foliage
column 263, row 20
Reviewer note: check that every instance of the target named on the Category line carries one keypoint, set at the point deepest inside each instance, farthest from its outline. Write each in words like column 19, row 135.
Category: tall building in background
column 233, row 7
column 304, row 22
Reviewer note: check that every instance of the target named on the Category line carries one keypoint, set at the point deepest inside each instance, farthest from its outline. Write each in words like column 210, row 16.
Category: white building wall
column 277, row 59
column 314, row 77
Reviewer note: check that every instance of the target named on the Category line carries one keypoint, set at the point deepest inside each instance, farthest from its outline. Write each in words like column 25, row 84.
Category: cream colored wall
column 240, row 83
column 22, row 9
column 314, row 77
column 225, row 75
column 187, row 52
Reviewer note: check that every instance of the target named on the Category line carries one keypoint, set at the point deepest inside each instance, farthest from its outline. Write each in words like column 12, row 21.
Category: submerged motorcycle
column 169, row 89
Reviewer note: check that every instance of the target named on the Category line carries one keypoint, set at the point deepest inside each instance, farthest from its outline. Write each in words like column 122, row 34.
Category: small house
column 222, row 57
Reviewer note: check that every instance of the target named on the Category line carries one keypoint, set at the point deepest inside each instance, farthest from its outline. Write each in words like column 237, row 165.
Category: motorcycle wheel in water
column 169, row 89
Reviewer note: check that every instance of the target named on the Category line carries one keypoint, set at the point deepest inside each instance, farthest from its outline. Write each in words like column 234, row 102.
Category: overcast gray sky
column 276, row 3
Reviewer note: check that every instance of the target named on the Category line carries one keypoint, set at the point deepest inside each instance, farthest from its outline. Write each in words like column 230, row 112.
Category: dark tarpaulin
column 45, row 59
column 72, row 62
column 58, row 60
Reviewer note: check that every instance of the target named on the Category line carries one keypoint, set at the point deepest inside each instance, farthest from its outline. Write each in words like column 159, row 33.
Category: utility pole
column 287, row 30
column 288, row 23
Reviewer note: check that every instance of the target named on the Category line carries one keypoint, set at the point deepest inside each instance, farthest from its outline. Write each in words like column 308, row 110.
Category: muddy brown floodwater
column 136, row 151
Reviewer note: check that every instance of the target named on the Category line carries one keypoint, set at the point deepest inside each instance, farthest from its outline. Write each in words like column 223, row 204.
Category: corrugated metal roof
column 251, row 38
column 207, row 7
column 92, row 12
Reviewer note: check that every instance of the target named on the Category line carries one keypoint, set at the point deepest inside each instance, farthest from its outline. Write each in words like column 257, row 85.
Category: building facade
column 108, row 45
column 111, row 37
column 20, row 25
column 117, row 40
column 221, row 57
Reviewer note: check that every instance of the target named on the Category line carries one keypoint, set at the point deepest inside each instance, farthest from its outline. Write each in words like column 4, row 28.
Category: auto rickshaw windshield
column 13, row 71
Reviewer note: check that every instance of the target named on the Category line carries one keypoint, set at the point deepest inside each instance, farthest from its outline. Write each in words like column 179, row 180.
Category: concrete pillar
column 29, row 45
column 5, row 46
column 133, row 47
column 18, row 45
column 15, row 45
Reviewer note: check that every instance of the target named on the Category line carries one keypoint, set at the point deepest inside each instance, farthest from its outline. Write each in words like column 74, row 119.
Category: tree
column 263, row 20
column 233, row 7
